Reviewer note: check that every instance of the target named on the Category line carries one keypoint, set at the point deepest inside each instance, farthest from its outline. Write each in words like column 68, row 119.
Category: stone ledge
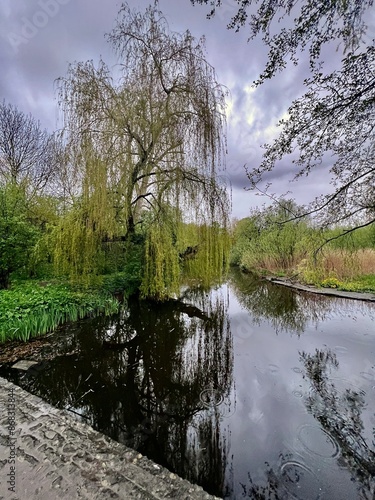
column 323, row 291
column 59, row 457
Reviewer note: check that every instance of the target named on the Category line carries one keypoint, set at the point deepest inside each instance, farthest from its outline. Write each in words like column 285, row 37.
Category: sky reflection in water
column 251, row 389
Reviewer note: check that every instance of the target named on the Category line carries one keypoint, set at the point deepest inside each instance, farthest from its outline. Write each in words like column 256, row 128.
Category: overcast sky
column 40, row 37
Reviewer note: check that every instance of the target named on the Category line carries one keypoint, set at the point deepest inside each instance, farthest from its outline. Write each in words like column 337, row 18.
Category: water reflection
column 153, row 378
column 218, row 387
column 339, row 411
column 341, row 438
column 287, row 309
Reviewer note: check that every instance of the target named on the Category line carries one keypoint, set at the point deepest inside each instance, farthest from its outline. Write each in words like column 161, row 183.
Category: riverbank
column 55, row 456
column 368, row 296
column 33, row 308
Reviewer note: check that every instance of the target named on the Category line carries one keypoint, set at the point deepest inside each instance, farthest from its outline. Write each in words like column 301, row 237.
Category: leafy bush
column 266, row 243
column 356, row 240
column 30, row 309
column 17, row 235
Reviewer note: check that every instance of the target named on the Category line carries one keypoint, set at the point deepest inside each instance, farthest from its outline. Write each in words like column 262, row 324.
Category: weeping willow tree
column 145, row 142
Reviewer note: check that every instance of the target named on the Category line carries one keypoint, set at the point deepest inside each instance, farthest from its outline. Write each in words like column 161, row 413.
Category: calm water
column 250, row 389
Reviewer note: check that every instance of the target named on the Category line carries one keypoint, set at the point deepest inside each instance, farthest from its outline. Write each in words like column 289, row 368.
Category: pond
column 250, row 389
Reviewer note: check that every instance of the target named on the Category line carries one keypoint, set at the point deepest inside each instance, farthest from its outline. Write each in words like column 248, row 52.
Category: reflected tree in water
column 287, row 310
column 340, row 414
column 269, row 491
column 154, row 377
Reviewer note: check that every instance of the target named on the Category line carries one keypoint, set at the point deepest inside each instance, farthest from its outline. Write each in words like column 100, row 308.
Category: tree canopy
column 334, row 119
column 144, row 143
column 333, row 122
column 29, row 158
column 17, row 235
column 314, row 24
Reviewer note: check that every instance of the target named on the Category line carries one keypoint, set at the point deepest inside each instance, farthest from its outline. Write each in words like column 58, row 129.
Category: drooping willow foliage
column 145, row 143
column 212, row 261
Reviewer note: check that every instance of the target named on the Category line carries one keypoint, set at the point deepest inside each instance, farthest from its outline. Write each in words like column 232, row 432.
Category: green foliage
column 161, row 276
column 266, row 243
column 360, row 238
column 365, row 283
column 17, row 236
column 144, row 148
column 331, row 283
column 127, row 266
column 77, row 249
column 245, row 231
column 140, row 158
column 29, row 309
column 211, row 262
column 119, row 283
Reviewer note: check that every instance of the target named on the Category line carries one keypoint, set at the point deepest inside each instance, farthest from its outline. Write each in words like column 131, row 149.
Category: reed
column 345, row 262
column 343, row 269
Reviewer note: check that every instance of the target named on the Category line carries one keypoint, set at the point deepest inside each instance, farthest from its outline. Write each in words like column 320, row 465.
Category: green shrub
column 29, row 309
column 17, row 235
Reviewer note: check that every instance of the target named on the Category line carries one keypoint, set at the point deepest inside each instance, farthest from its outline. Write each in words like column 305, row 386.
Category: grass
column 335, row 268
column 360, row 284
column 30, row 309
column 342, row 269
column 344, row 264
column 364, row 283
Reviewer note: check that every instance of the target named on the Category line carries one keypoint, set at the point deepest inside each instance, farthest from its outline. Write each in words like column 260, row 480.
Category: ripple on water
column 296, row 369
column 317, row 441
column 273, row 368
column 227, row 409
column 299, row 481
column 270, row 368
column 297, row 394
column 211, row 399
column 340, row 349
column 345, row 384
column 368, row 376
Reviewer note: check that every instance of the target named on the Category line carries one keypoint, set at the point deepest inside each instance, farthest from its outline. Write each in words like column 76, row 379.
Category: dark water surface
column 252, row 390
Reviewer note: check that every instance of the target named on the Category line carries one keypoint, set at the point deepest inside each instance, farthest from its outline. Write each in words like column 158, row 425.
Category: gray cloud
column 40, row 37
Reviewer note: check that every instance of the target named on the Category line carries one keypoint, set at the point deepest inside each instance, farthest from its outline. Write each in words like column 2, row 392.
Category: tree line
column 131, row 180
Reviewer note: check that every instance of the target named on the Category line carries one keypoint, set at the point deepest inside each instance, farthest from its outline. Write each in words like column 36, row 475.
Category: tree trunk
column 4, row 279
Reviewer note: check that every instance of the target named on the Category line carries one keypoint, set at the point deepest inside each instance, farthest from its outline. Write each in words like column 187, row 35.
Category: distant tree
column 334, row 122
column 27, row 153
column 145, row 146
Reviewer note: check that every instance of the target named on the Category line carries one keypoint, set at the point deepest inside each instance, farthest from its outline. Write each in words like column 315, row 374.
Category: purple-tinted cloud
column 40, row 37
